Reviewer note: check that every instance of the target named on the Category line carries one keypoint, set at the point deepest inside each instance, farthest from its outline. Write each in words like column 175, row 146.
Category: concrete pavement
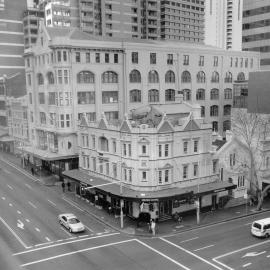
column 130, row 226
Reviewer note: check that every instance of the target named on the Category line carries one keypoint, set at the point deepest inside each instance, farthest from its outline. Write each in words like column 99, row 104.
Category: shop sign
column 149, row 200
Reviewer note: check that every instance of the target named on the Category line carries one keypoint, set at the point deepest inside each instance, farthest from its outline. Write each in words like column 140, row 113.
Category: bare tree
column 251, row 129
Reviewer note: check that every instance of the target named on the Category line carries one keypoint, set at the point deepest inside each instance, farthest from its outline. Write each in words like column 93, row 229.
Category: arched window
column 200, row 94
column 135, row 76
column 227, row 110
column 50, row 77
column 215, row 126
column 185, row 77
column 241, row 77
column 85, row 76
column 200, row 77
column 135, row 95
column 187, row 94
column 170, row 77
column 226, row 125
column 153, row 95
column 228, row 93
column 109, row 77
column 153, row 77
column 228, row 77
column 170, row 95
column 40, row 79
column 215, row 77
column 103, row 144
column 202, row 111
column 214, row 94
column 214, row 110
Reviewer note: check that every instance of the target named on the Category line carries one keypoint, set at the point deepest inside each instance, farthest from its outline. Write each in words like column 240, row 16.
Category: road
column 35, row 240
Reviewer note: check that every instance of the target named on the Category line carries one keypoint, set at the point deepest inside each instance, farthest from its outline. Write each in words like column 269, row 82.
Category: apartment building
column 223, row 24
column 256, row 20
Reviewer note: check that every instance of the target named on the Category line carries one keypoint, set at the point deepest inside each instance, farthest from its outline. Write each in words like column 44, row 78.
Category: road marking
column 42, row 244
column 48, row 239
column 64, row 243
column 162, row 254
column 52, row 203
column 3, row 198
column 253, row 254
column 16, row 236
column 247, row 264
column 191, row 253
column 10, row 187
column 73, row 204
column 203, row 248
column 19, row 212
column 60, row 240
column 28, row 186
column 27, row 220
column 79, row 251
column 20, row 224
column 32, row 205
column 88, row 228
column 37, row 229
column 248, row 224
column 268, row 256
column 10, row 204
column 81, row 236
column 189, row 239
column 66, row 231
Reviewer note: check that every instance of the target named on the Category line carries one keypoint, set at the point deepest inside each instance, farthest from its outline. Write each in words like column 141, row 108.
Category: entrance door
column 165, row 208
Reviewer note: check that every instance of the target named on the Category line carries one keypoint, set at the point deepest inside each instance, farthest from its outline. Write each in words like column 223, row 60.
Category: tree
column 251, row 129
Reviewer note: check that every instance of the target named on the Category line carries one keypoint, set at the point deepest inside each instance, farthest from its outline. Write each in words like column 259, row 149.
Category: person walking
column 63, row 187
column 153, row 227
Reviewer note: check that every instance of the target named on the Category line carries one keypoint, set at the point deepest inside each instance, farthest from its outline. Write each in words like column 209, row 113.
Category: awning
column 44, row 154
column 6, row 139
column 113, row 187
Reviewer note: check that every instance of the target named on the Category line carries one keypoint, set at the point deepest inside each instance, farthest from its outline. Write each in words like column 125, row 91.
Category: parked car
column 71, row 222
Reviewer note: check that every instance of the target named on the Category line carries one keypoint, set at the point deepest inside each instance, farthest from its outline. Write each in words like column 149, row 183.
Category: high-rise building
column 223, row 24
column 256, row 21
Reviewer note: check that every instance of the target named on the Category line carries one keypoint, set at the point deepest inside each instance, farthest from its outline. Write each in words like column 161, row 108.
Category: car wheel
column 60, row 221
column 70, row 230
column 267, row 235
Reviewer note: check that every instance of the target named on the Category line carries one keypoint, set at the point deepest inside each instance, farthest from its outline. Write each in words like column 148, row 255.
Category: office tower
column 256, row 21
column 223, row 23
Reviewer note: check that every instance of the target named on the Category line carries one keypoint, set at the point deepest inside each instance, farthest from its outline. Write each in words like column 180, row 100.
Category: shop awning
column 113, row 187
column 44, row 154
column 6, row 139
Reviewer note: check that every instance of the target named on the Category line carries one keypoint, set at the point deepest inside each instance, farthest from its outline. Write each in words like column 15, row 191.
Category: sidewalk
column 130, row 226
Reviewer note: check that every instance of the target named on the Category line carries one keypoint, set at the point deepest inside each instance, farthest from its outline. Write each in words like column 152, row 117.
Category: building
column 256, row 19
column 223, row 24
column 157, row 162
column 70, row 73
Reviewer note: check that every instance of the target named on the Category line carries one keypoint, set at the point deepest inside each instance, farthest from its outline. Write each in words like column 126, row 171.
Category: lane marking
column 268, row 256
column 253, row 254
column 60, row 240
column 248, row 224
column 223, row 264
column 48, row 239
column 10, row 204
column 27, row 220
column 247, row 264
column 79, row 251
column 32, row 205
column 71, row 203
column 19, row 212
column 52, row 203
column 191, row 253
column 162, row 254
column 16, row 236
column 88, row 228
column 37, row 229
column 61, row 244
column 28, row 186
column 10, row 187
column 203, row 248
column 3, row 198
column 189, row 239
column 42, row 244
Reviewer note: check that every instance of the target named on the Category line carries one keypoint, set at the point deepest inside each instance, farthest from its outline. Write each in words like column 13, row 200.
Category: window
column 226, row 125
column 134, row 57
column 196, row 143
column 87, row 57
column 185, row 147
column 135, row 76
column 185, row 171
column 109, row 77
column 187, row 94
column 153, row 95
column 214, row 163
column 113, row 115
column 109, row 97
column 169, row 59
column 59, row 77
column 236, row 62
column 201, row 61
column 144, row 149
column 97, row 57
column 85, row 77
column 50, row 77
column 227, row 110
column 195, row 170
column 215, row 77
column 200, row 94
column 153, row 58
column 144, row 176
column 103, row 144
column 200, row 77
column 86, row 97
column 170, row 77
column 66, row 76
column 135, row 95
column 232, row 159
column 169, row 95
column 40, row 79
column 186, row 77
column 202, row 111
column 160, row 177
column 214, row 94
column 115, row 58
column 153, row 77
column 215, row 126
column 228, row 77
column 42, row 116
column 77, row 57
column 166, row 178
column 246, row 62
column 65, row 56
column 228, row 93
column 186, row 60
column 160, row 150
column 29, row 82
column 107, row 58
column 166, row 150
column 241, row 77
column 41, row 98
column 214, row 110
column 241, row 182
column 215, row 64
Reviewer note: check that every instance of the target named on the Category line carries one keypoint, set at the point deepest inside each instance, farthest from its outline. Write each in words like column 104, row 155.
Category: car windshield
column 257, row 225
column 73, row 220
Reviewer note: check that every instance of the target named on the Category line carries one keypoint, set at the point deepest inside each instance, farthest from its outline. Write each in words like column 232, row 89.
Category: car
column 71, row 222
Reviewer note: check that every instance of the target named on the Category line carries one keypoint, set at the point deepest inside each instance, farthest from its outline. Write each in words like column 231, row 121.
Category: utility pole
column 197, row 202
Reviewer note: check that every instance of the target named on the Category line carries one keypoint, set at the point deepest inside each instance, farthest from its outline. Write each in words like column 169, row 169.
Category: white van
column 261, row 228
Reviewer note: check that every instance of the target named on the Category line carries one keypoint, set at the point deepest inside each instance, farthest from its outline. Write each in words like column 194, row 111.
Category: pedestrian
column 32, row 171
column 63, row 187
column 153, row 227
column 68, row 185
column 150, row 225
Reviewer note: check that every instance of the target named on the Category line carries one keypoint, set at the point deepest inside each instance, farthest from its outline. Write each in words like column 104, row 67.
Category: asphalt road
column 34, row 240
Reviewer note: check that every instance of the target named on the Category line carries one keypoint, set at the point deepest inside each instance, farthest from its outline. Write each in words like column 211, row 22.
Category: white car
column 71, row 222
